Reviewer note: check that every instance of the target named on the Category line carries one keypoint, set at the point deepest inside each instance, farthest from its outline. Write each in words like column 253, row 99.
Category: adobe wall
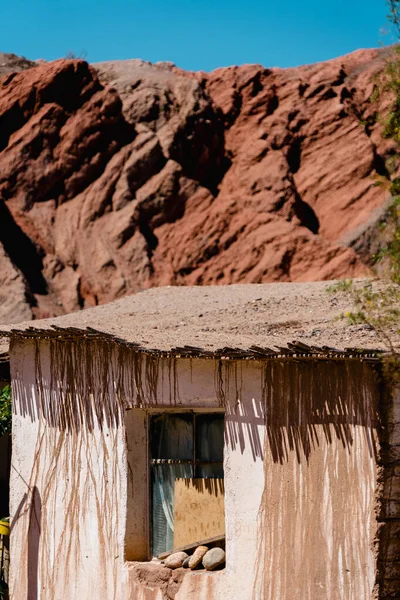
column 68, row 484
column 300, row 462
column 300, row 493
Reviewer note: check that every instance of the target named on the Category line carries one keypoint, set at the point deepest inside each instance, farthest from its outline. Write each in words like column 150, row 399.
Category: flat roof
column 228, row 320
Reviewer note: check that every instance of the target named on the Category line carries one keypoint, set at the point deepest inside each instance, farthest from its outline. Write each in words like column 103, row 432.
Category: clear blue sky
column 191, row 33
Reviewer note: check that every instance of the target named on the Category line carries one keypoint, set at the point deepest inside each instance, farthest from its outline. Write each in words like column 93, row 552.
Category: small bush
column 5, row 410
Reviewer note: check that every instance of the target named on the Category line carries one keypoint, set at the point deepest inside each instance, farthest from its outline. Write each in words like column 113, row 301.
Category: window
column 182, row 446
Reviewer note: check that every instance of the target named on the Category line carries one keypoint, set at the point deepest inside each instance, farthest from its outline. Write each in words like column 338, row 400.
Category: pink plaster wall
column 300, row 481
column 68, row 491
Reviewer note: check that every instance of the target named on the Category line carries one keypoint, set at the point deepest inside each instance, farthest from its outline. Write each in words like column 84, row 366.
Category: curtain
column 163, row 503
column 210, row 438
column 172, row 438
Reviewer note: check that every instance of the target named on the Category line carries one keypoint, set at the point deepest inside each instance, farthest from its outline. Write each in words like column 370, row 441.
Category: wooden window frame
column 193, row 461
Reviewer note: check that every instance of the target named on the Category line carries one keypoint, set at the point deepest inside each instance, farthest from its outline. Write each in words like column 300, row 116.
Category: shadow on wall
column 92, row 383
column 314, row 425
column 81, row 390
column 34, row 511
column 301, row 404
column 34, row 530
column 214, row 486
column 75, row 459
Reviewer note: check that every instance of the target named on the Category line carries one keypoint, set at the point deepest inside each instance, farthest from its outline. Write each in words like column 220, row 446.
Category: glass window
column 172, row 437
column 182, row 446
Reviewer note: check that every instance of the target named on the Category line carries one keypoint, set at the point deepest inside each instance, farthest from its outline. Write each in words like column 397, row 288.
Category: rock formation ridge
column 123, row 175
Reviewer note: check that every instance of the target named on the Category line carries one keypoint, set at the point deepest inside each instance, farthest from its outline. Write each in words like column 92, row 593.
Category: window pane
column 210, row 437
column 163, row 477
column 215, row 471
column 172, row 436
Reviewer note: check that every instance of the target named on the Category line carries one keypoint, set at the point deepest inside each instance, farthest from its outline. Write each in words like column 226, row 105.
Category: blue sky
column 192, row 34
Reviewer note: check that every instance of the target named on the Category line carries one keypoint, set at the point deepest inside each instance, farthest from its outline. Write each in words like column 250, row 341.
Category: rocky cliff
column 123, row 175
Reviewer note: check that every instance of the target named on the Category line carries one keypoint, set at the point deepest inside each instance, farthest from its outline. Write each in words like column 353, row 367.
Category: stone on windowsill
column 174, row 561
column 197, row 556
column 213, row 559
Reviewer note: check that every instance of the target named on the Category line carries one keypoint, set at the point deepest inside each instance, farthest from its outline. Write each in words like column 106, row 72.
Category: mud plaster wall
column 299, row 459
column 68, row 483
column 300, row 462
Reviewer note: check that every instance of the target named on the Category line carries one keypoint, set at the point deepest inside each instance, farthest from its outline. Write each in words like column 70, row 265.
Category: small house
column 245, row 417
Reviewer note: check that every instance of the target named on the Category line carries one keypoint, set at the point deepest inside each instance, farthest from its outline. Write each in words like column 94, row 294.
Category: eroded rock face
column 11, row 63
column 14, row 299
column 126, row 175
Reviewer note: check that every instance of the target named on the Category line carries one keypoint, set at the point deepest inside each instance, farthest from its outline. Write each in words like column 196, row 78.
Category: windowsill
column 157, row 564
column 151, row 578
column 154, row 571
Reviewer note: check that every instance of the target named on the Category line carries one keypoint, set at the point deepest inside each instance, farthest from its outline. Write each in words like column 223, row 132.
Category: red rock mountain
column 123, row 175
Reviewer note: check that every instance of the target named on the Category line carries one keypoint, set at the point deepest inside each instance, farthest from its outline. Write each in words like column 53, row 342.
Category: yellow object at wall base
column 4, row 526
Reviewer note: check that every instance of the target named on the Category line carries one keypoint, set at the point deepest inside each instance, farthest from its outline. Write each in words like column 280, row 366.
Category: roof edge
column 294, row 350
